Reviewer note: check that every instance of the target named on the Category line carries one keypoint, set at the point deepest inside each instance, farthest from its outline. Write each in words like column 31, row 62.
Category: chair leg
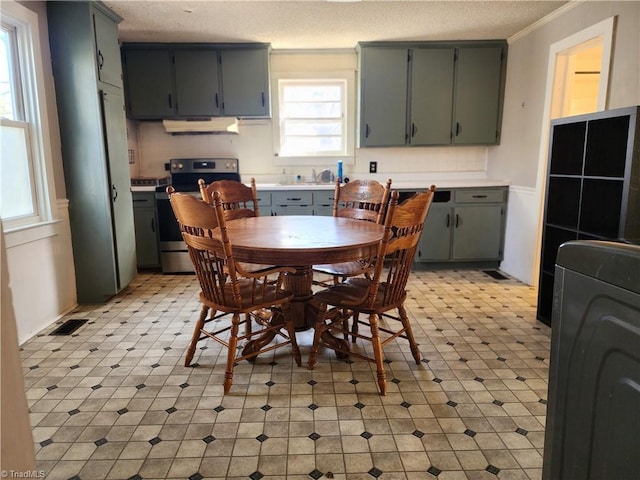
column 345, row 324
column 377, row 353
column 247, row 325
column 354, row 327
column 292, row 333
column 409, row 332
column 191, row 349
column 231, row 353
column 319, row 329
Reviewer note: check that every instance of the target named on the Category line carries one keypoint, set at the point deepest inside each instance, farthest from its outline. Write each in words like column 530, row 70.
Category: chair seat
column 344, row 269
column 353, row 293
column 254, row 296
column 253, row 267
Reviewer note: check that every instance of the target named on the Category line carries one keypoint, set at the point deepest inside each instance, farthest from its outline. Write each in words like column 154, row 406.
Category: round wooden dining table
column 301, row 242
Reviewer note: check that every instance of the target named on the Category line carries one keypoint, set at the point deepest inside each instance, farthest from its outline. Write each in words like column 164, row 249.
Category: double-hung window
column 312, row 117
column 314, row 105
column 24, row 190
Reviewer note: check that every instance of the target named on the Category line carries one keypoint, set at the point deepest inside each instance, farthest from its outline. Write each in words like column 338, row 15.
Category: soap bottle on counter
column 340, row 171
column 283, row 177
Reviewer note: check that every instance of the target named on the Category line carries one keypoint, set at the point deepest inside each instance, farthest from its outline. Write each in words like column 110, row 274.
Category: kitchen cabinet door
column 145, row 221
column 245, row 82
column 477, row 102
column 477, row 232
column 197, row 85
column 120, row 185
column 107, row 50
column 435, row 243
column 383, row 102
column 432, row 73
column 149, row 83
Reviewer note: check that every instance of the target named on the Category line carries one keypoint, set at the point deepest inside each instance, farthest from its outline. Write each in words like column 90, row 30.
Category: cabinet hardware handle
column 457, row 220
column 367, row 130
column 153, row 225
column 262, row 97
column 114, row 192
column 413, row 130
column 479, row 196
column 170, row 102
column 100, row 60
column 448, row 220
column 217, row 104
column 294, row 199
column 458, row 128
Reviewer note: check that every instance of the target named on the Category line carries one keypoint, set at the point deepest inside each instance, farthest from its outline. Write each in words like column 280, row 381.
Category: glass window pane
column 294, row 127
column 7, row 95
column 314, row 93
column 16, row 180
column 313, row 110
column 312, row 118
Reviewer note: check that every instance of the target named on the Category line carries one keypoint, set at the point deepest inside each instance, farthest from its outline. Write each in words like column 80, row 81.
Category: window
column 312, row 116
column 24, row 189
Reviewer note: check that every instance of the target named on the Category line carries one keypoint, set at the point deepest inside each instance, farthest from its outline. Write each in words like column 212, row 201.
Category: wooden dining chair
column 227, row 290
column 360, row 200
column 238, row 200
column 383, row 292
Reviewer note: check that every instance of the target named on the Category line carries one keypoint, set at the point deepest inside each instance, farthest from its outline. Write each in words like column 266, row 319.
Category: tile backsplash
column 254, row 147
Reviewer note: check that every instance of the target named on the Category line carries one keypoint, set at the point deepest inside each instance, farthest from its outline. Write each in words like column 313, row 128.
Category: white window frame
column 347, row 156
column 31, row 72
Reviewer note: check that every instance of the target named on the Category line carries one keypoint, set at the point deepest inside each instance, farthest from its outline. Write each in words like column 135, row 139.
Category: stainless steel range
column 185, row 173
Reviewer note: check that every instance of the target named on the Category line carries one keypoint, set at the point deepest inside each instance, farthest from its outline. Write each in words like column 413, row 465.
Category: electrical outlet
column 373, row 167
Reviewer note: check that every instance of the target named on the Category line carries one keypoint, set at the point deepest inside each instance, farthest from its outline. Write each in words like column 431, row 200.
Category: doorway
column 577, row 79
column 578, row 68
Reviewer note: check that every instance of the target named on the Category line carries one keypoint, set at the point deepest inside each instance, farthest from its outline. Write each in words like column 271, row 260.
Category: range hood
column 215, row 125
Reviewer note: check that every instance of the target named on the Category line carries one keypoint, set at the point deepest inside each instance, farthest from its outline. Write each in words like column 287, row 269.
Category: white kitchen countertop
column 400, row 185
column 144, row 188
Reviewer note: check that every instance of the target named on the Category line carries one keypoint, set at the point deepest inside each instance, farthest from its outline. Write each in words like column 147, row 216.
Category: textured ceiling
column 312, row 24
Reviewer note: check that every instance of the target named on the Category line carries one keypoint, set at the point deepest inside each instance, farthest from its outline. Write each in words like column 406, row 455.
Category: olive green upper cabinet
column 107, row 51
column 383, row 90
column 431, row 93
column 196, row 80
column 245, row 81
column 149, row 83
column 432, row 73
column 478, row 97
column 197, row 85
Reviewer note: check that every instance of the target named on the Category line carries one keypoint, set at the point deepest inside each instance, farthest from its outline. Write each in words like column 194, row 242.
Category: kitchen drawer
column 323, row 211
column 264, row 199
column 494, row 195
column 291, row 210
column 324, row 198
column 292, row 198
column 143, row 199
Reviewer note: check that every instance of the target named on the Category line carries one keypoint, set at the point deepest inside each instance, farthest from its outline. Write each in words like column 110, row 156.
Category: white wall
column 17, row 451
column 517, row 158
column 40, row 261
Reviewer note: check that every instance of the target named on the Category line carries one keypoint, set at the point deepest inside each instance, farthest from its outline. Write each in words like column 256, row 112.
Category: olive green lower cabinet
column 465, row 225
column 296, row 202
column 145, row 222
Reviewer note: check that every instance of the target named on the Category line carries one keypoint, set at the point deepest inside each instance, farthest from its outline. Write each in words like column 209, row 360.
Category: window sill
column 22, row 235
